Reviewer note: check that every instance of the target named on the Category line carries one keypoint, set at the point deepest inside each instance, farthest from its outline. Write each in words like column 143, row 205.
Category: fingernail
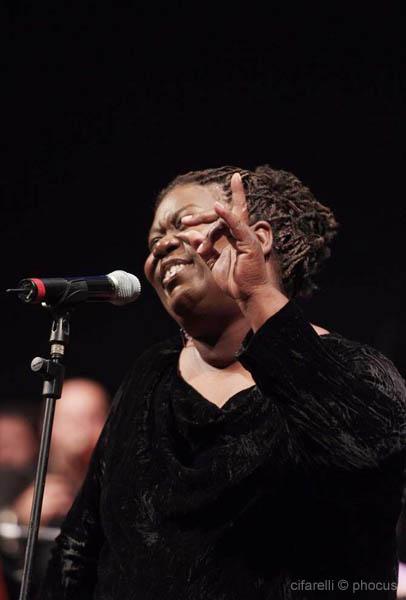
column 187, row 218
column 200, row 247
column 218, row 205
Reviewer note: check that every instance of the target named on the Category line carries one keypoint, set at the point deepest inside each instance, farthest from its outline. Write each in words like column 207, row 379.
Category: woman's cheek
column 148, row 268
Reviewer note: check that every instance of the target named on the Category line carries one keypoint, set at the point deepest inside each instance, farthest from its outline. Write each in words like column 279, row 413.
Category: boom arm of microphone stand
column 53, row 372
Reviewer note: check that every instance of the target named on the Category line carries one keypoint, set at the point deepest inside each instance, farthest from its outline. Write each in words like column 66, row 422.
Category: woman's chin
column 190, row 304
column 184, row 299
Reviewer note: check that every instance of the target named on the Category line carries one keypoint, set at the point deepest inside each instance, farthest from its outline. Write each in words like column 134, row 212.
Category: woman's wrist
column 262, row 304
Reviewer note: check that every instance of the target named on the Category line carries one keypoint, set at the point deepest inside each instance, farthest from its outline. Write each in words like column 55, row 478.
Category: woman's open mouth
column 172, row 272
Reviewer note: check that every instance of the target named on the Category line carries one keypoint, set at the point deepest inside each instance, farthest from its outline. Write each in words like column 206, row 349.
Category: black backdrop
column 102, row 106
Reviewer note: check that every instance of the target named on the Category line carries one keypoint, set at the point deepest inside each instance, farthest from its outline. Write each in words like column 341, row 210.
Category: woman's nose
column 171, row 242
column 165, row 245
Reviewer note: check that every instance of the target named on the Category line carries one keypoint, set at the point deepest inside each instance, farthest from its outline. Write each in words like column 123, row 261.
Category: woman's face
column 180, row 276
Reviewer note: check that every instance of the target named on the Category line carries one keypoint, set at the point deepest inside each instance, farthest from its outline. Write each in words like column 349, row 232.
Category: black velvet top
column 289, row 489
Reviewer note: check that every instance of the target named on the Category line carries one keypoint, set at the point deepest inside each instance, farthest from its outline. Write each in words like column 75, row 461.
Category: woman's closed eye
column 179, row 225
column 154, row 241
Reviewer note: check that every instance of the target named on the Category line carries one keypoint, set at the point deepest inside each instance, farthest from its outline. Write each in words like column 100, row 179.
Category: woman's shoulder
column 146, row 366
column 159, row 350
column 366, row 362
column 153, row 359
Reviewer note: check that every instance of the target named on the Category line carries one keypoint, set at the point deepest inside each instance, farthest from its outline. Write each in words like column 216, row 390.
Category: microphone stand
column 53, row 372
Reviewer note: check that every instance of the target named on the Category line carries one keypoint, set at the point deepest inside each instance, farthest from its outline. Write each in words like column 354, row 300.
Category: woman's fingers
column 198, row 218
column 222, row 265
column 218, row 229
column 229, row 225
column 238, row 228
column 239, row 202
column 227, row 221
column 239, row 205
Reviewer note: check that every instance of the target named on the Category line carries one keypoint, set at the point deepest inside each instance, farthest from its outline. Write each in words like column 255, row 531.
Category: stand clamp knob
column 53, row 374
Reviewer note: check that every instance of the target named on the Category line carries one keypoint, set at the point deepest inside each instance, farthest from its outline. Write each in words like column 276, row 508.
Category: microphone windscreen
column 127, row 286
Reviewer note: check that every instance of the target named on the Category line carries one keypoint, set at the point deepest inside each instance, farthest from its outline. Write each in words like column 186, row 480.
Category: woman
column 262, row 458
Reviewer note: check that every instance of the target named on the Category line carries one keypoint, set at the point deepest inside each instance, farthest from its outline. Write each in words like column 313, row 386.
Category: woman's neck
column 219, row 351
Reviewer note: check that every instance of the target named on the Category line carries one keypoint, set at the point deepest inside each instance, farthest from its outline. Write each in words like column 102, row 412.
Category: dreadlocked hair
column 302, row 227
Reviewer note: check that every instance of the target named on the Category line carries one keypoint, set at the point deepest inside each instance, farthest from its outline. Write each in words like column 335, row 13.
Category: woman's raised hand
column 240, row 267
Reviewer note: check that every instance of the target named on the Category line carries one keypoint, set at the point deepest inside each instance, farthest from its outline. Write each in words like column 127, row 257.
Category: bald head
column 79, row 416
column 84, row 397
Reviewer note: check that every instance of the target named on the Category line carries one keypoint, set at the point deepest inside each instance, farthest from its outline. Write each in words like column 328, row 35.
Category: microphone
column 118, row 287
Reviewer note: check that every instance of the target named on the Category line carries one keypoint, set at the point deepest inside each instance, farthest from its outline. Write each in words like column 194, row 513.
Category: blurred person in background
column 18, row 449
column 18, row 452
column 79, row 418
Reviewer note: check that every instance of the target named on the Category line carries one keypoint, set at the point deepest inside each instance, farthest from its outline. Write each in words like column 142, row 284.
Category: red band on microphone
column 41, row 290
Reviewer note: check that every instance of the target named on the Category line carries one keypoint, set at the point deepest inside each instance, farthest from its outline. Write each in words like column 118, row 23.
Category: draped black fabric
column 293, row 486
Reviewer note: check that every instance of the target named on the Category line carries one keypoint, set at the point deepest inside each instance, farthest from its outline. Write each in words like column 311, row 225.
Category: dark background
column 102, row 106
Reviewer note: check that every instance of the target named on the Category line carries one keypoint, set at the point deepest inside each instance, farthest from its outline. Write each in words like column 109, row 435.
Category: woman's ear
column 263, row 231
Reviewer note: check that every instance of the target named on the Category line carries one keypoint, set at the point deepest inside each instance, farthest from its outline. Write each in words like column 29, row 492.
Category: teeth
column 171, row 271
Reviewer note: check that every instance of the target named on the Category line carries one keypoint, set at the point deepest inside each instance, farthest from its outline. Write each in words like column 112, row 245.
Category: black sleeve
column 72, row 569
column 345, row 409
